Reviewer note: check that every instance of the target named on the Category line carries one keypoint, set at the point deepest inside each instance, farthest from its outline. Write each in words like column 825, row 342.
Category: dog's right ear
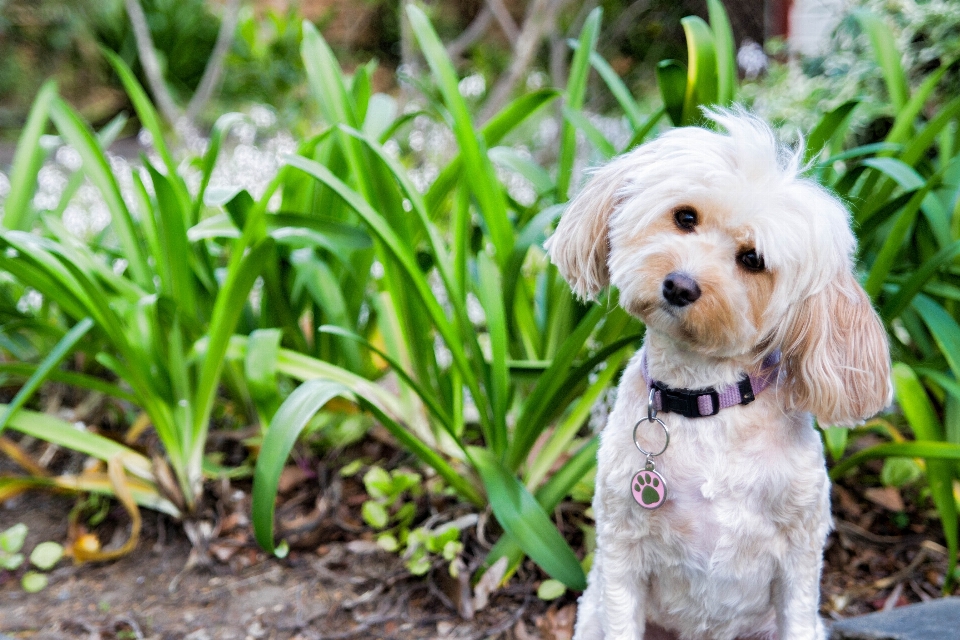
column 580, row 246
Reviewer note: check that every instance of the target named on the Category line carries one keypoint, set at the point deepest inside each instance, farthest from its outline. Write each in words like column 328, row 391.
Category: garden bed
column 336, row 582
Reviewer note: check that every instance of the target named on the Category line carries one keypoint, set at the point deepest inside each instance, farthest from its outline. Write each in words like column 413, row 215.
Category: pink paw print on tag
column 649, row 489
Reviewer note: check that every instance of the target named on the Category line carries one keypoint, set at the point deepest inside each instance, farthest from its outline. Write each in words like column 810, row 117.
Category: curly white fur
column 735, row 552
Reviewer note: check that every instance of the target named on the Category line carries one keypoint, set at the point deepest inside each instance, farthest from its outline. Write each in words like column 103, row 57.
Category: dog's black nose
column 680, row 290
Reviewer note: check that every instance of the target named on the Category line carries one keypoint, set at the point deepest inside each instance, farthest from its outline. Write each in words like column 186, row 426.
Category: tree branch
column 505, row 20
column 151, row 65
column 471, row 34
column 214, row 69
column 540, row 20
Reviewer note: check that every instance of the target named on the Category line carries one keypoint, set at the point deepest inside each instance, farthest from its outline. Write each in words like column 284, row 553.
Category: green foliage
column 264, row 64
column 147, row 318
column 903, row 194
column 539, row 345
column 44, row 557
column 391, row 511
column 183, row 33
column 710, row 74
column 551, row 590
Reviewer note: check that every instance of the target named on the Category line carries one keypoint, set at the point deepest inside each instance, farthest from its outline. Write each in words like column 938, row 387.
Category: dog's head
column 715, row 242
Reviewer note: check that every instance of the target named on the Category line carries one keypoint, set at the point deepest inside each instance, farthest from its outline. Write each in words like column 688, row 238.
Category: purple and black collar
column 700, row 403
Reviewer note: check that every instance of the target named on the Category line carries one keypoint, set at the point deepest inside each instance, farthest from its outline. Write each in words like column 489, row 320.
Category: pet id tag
column 648, row 487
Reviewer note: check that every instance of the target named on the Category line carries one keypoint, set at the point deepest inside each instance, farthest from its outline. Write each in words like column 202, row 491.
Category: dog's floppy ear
column 579, row 247
column 836, row 356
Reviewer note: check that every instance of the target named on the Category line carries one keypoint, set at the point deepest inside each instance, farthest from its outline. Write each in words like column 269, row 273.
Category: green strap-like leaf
column 899, row 301
column 287, row 425
column 27, row 160
column 73, row 378
column 903, row 126
column 150, row 120
column 826, row 128
column 944, row 329
column 260, row 369
column 428, row 398
column 510, row 158
column 505, row 121
column 672, row 80
column 489, row 292
column 480, row 174
column 174, row 245
column 326, row 79
column 226, row 312
column 927, row 450
column 522, row 517
column 95, row 165
column 220, row 129
column 60, row 351
column 574, row 98
column 619, row 90
column 895, row 240
column 912, row 397
column 580, row 121
column 701, row 68
column 726, row 52
column 887, row 55
column 51, row 429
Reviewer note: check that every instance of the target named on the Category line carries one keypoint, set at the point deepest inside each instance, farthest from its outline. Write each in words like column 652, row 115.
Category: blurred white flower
column 262, row 116
column 30, row 301
column 473, row 86
column 537, row 80
column 751, row 59
column 69, row 157
column 145, row 138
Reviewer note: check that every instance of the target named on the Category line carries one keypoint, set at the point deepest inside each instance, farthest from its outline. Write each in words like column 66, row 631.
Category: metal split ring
column 666, row 434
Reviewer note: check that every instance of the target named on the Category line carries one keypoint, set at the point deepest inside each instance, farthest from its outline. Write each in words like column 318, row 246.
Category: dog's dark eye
column 751, row 260
column 686, row 218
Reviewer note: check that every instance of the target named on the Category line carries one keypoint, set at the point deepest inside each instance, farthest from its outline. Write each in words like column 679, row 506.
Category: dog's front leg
column 622, row 595
column 797, row 598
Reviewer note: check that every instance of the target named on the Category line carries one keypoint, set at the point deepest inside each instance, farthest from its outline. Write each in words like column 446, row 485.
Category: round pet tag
column 649, row 489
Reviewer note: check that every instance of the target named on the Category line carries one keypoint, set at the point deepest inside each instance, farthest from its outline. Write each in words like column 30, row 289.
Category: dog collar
column 700, row 403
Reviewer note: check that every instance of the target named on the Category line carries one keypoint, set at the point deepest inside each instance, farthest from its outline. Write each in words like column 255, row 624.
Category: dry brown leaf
column 521, row 632
column 847, row 502
column 886, row 497
column 488, row 583
column 557, row 624
column 290, row 477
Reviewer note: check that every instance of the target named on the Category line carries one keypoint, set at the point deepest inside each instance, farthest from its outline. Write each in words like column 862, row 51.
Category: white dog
column 742, row 272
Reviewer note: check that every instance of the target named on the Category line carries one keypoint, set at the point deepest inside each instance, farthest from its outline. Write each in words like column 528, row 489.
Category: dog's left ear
column 580, row 245
column 836, row 356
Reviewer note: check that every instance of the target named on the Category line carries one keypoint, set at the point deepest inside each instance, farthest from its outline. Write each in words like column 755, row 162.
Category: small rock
column 937, row 619
column 256, row 630
column 362, row 547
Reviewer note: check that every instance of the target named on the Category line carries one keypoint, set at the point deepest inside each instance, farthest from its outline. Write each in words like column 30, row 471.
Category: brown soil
column 336, row 583
column 342, row 590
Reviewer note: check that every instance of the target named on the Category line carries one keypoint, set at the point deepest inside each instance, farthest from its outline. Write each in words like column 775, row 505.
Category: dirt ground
column 887, row 551
column 352, row 590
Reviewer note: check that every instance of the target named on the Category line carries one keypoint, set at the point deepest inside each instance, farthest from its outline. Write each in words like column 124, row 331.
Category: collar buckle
column 687, row 403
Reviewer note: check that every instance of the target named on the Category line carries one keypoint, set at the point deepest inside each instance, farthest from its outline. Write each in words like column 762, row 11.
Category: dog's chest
column 735, row 485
